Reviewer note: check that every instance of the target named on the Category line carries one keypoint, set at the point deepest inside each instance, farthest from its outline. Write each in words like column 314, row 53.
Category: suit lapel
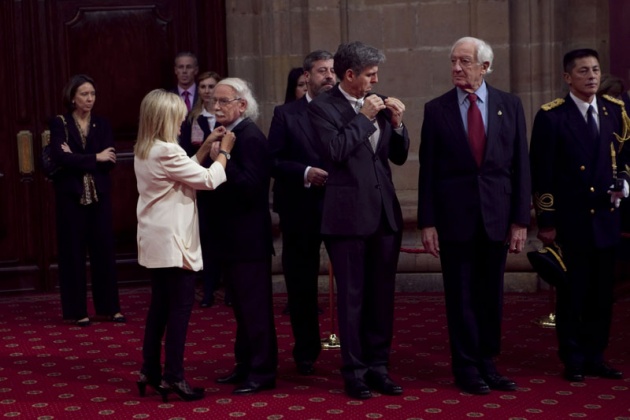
column 495, row 108
column 452, row 118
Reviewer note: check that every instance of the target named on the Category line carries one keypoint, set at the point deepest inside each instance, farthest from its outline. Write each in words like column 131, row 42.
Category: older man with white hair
column 242, row 244
column 474, row 192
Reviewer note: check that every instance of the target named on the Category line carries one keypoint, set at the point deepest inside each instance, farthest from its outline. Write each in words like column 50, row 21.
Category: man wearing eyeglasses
column 474, row 206
column 241, row 241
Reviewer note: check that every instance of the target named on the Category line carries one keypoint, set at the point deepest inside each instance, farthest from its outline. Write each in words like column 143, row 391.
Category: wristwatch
column 226, row 154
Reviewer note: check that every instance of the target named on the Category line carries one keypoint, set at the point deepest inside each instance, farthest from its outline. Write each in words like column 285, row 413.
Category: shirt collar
column 191, row 90
column 583, row 106
column 234, row 124
column 349, row 97
column 481, row 92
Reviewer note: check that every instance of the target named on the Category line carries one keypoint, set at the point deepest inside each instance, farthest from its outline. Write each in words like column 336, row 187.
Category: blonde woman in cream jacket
column 168, row 233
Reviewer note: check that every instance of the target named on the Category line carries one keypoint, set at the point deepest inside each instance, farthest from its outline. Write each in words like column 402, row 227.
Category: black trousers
column 83, row 230
column 365, row 273
column 256, row 346
column 584, row 308
column 172, row 298
column 473, row 274
column 300, row 263
column 211, row 274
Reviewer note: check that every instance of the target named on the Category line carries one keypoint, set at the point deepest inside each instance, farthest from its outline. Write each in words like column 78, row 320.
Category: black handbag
column 49, row 166
column 548, row 263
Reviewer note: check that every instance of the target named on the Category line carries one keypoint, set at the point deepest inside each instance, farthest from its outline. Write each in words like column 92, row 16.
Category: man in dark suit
column 358, row 133
column 186, row 68
column 577, row 160
column 241, row 240
column 297, row 198
column 474, row 205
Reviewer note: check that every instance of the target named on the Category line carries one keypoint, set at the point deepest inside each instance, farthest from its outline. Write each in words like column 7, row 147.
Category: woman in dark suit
column 296, row 85
column 197, row 127
column 83, row 145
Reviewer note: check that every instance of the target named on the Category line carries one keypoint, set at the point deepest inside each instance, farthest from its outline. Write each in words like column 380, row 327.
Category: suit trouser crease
column 473, row 274
column 300, row 263
column 256, row 346
column 584, row 309
column 365, row 272
column 81, row 230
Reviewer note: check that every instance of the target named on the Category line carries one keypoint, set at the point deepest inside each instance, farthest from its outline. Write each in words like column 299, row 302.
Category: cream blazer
column 168, row 226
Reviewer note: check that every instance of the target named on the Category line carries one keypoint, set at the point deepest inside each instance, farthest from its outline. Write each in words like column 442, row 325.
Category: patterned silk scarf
column 89, row 189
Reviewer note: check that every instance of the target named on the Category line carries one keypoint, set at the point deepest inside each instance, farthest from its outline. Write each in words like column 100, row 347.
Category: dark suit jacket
column 454, row 194
column 359, row 186
column 571, row 175
column 291, row 140
column 185, row 137
column 240, row 206
column 69, row 180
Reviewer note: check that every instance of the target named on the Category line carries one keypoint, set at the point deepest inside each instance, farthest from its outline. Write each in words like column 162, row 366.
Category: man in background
column 186, row 69
column 298, row 193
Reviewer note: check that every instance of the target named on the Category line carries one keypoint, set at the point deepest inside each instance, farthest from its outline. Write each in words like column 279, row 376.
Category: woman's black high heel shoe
column 142, row 383
column 183, row 391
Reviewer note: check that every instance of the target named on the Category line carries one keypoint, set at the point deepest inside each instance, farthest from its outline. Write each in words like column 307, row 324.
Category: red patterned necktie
column 476, row 131
column 186, row 98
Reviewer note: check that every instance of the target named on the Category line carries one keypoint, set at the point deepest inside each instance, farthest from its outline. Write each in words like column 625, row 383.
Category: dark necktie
column 186, row 98
column 590, row 122
column 476, row 132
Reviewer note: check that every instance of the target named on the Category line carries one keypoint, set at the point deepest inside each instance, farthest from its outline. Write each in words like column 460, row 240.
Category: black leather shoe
column 573, row 374
column 236, row 377
column 500, row 383
column 383, row 384
column 602, row 370
column 475, row 386
column 251, row 387
column 357, row 388
column 305, row 368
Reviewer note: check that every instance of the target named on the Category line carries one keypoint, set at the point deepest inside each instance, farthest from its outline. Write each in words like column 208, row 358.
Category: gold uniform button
column 592, row 189
column 592, row 211
column 612, row 209
column 582, row 168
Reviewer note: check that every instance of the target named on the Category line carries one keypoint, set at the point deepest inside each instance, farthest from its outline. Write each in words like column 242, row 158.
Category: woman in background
column 197, row 127
column 296, row 85
column 168, row 233
column 83, row 145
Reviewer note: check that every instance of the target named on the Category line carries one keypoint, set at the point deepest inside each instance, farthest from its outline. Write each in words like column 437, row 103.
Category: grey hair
column 314, row 56
column 484, row 51
column 243, row 91
column 356, row 56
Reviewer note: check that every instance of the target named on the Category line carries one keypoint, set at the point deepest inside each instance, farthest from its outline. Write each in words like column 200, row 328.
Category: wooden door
column 127, row 46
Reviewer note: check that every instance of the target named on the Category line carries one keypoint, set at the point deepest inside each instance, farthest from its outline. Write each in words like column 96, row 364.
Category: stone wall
column 267, row 38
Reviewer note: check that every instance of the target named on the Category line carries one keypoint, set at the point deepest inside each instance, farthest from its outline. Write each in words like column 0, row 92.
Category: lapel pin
column 499, row 113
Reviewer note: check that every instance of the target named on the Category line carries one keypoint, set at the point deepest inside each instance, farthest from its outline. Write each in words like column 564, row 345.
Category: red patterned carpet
column 53, row 370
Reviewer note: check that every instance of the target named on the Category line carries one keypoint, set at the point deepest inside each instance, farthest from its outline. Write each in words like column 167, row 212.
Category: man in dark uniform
column 579, row 175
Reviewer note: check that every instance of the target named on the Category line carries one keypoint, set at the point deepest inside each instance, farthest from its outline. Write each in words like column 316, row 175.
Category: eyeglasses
column 222, row 101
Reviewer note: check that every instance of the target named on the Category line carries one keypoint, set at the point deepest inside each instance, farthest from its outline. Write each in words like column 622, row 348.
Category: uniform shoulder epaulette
column 613, row 100
column 553, row 104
